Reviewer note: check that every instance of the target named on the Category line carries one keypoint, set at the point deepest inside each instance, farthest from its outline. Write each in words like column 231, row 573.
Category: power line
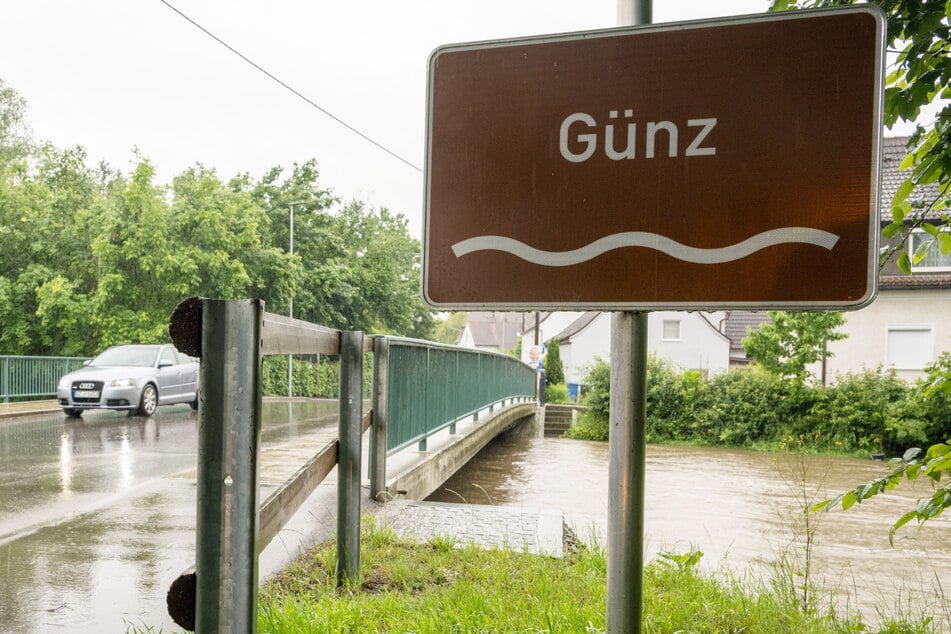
column 291, row 89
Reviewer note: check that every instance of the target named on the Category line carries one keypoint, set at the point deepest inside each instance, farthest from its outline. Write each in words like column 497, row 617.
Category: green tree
column 449, row 330
column 218, row 230
column 790, row 342
column 142, row 278
column 517, row 350
column 554, row 371
column 15, row 136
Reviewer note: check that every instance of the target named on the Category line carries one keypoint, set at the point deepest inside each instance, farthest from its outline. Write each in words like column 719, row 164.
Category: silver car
column 137, row 378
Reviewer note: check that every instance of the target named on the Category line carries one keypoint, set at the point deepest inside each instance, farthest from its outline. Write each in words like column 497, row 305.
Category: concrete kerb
column 27, row 408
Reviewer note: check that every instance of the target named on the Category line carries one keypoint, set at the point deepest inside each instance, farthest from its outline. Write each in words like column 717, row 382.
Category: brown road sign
column 728, row 163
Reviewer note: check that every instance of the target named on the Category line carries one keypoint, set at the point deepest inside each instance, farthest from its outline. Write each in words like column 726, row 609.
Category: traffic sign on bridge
column 727, row 163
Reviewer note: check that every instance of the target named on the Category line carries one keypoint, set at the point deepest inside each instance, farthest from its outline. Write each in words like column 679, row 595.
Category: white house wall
column 904, row 312
column 594, row 341
column 700, row 346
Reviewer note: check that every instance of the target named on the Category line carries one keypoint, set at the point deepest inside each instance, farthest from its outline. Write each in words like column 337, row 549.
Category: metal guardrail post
column 229, row 436
column 377, row 466
column 348, row 460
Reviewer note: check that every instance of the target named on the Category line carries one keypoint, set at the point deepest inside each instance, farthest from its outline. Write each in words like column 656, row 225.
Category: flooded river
column 742, row 509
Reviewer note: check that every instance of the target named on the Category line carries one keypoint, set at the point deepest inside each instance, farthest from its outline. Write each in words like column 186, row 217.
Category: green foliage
column 864, row 412
column 598, row 396
column 870, row 411
column 556, row 393
column 15, row 137
column 517, row 350
column 735, row 408
column 790, row 341
column 443, row 586
column 554, row 371
column 935, row 463
column 311, row 379
column 91, row 258
column 449, row 330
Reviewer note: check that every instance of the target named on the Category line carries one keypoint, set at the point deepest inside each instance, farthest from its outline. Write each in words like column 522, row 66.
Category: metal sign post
column 627, row 446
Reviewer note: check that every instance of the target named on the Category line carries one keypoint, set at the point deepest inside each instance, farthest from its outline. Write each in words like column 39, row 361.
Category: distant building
column 494, row 331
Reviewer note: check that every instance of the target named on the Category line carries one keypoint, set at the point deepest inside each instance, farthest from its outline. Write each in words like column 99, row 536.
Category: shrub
column 591, row 425
column 311, row 379
column 668, row 400
column 869, row 411
column 556, row 393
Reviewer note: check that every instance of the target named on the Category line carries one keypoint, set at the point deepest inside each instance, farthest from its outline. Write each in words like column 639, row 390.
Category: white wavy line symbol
column 738, row 251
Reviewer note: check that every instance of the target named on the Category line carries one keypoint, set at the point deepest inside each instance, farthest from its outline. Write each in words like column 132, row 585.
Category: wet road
column 97, row 516
column 742, row 509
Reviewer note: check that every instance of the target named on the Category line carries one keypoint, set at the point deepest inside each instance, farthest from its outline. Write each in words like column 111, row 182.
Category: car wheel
column 149, row 401
column 73, row 413
column 194, row 404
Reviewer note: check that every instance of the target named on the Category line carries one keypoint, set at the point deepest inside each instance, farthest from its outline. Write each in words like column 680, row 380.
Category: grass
column 444, row 586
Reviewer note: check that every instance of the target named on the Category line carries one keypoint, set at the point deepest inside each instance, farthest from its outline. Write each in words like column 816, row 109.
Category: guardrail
column 26, row 377
column 231, row 337
column 419, row 386
column 431, row 387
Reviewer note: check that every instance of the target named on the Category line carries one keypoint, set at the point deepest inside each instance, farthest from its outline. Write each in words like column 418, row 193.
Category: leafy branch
column 935, row 463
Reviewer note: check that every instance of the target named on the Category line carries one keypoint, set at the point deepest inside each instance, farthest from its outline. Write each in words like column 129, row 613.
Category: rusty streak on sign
column 727, row 163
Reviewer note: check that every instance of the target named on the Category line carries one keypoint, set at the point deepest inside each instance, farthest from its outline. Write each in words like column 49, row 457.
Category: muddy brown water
column 742, row 509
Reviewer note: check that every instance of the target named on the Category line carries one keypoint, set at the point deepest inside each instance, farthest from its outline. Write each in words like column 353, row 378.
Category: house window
column 909, row 347
column 670, row 330
column 934, row 261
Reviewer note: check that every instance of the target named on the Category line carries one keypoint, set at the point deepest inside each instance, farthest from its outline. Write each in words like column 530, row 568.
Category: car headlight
column 63, row 383
column 122, row 383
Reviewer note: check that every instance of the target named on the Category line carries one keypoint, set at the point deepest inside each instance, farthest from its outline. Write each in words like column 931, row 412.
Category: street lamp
column 290, row 308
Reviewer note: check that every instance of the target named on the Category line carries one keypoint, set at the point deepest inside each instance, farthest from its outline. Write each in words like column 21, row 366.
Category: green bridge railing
column 33, row 377
column 430, row 387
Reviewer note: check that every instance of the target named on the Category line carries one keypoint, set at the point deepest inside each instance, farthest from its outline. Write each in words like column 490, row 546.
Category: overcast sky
column 114, row 75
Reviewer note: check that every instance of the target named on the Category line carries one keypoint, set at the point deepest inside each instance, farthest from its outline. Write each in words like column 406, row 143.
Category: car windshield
column 127, row 355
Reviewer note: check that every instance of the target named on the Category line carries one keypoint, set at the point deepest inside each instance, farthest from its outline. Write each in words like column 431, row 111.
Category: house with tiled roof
column 687, row 340
column 908, row 325
column 494, row 331
column 736, row 326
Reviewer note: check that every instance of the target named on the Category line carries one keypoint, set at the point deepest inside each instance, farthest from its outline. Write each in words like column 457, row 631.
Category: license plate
column 85, row 394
